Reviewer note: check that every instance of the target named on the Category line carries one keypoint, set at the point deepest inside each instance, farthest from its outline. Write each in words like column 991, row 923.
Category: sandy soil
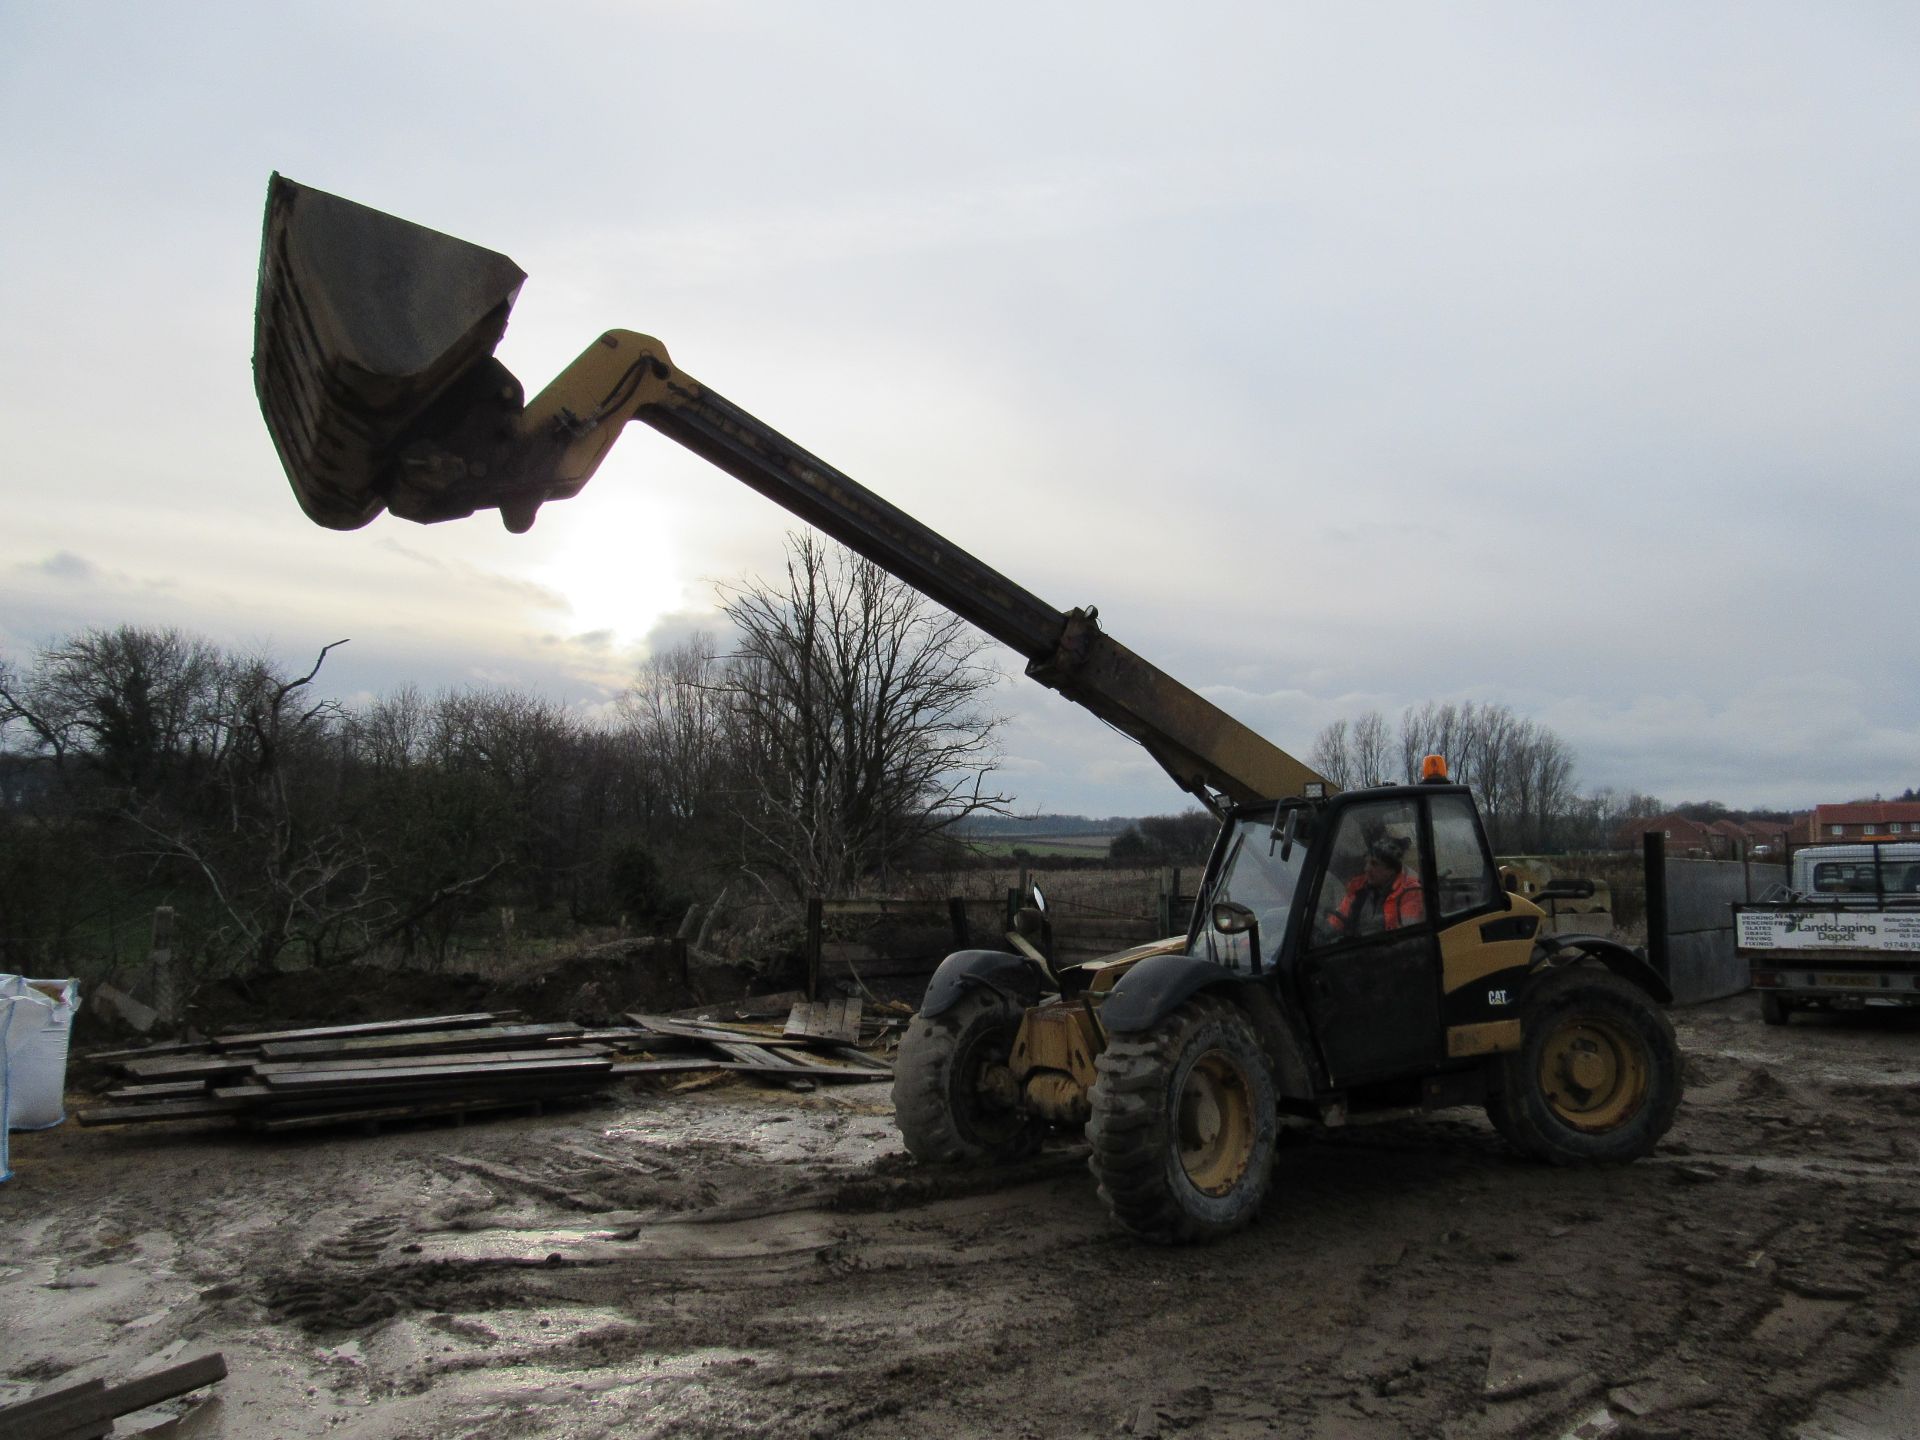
column 738, row 1261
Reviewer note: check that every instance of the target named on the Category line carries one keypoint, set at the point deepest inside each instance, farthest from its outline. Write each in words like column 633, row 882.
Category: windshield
column 1254, row 875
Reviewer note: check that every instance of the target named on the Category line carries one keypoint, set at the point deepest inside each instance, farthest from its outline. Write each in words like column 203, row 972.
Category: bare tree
column 524, row 747
column 1372, row 747
column 393, row 733
column 1520, row 771
column 1355, row 753
column 674, row 716
column 854, row 707
column 260, row 837
column 132, row 704
column 1332, row 755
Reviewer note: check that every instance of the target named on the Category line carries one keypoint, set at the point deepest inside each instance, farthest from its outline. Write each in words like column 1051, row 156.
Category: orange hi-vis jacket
column 1403, row 904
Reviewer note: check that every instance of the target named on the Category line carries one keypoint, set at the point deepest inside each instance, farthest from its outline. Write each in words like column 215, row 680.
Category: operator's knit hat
column 1389, row 850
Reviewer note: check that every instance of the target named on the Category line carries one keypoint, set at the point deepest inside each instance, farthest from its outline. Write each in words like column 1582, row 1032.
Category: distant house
column 1769, row 838
column 1709, row 839
column 1684, row 837
column 1864, row 820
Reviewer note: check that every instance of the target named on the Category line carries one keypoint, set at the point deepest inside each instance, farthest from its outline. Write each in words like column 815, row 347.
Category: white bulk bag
column 6, row 1022
column 37, row 1040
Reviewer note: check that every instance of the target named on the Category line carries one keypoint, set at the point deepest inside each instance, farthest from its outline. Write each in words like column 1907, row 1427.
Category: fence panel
column 1690, row 920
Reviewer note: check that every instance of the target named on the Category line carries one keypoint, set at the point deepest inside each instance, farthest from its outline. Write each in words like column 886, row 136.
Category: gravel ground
column 736, row 1261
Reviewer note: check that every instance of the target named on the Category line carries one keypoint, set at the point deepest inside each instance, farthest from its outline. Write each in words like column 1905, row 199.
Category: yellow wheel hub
column 1215, row 1126
column 1593, row 1074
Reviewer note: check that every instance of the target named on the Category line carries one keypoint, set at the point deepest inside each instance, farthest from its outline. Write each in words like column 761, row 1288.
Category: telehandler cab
column 1351, row 956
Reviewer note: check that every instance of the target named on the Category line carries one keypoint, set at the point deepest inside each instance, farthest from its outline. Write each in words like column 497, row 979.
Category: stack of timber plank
column 382, row 1070
column 456, row 1065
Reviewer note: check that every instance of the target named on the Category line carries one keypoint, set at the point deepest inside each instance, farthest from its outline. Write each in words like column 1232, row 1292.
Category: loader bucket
column 373, row 338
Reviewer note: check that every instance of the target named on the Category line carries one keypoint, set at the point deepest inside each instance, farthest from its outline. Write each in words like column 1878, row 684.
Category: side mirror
column 1284, row 832
column 1232, row 918
column 1039, row 900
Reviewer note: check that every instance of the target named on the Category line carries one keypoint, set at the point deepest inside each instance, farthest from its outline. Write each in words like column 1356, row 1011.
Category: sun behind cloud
column 611, row 560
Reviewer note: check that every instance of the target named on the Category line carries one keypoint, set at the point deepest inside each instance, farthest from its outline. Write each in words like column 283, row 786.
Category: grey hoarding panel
column 1703, row 966
column 1701, row 893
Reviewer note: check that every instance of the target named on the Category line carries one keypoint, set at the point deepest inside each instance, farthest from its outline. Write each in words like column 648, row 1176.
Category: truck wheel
column 1774, row 1008
column 1597, row 1076
column 1183, row 1124
column 954, row 1099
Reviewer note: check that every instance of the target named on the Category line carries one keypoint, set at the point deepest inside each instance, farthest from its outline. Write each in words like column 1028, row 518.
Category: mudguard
column 1625, row 963
column 1156, row 987
column 1013, row 976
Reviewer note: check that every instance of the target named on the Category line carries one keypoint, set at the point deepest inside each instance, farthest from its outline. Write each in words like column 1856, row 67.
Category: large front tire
column 1597, row 1077
column 1183, row 1124
column 946, row 1103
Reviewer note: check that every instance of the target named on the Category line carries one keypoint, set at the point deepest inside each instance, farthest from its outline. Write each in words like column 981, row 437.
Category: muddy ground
column 737, row 1261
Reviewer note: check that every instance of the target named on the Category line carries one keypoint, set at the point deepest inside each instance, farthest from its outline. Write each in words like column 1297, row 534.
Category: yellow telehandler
column 1351, row 956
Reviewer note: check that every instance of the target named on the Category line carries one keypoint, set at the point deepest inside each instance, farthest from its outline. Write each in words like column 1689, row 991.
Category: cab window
column 1463, row 870
column 1255, row 874
column 1373, row 875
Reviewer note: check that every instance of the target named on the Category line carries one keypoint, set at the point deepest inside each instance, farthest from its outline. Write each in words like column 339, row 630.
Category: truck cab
column 1856, row 874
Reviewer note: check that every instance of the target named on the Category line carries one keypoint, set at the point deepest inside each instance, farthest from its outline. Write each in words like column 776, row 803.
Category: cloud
column 66, row 566
column 1522, row 358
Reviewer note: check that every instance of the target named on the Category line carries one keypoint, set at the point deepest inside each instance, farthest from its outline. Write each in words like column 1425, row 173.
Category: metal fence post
column 816, row 915
column 1655, row 850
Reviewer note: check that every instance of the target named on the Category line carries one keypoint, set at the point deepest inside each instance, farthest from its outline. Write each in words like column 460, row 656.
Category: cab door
column 1370, row 974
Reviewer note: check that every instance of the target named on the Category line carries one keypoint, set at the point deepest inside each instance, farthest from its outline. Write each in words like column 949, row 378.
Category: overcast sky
column 1347, row 357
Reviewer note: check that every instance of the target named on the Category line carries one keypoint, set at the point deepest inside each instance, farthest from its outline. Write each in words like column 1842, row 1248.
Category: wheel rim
column 977, row 1107
column 1213, row 1116
column 1593, row 1074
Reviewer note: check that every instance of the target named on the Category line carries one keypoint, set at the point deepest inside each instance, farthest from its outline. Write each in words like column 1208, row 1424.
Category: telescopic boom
column 373, row 361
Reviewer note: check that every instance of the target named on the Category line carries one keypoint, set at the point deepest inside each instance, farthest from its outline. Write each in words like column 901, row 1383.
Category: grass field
column 1071, row 847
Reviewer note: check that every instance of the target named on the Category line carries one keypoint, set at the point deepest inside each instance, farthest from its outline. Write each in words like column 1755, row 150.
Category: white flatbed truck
column 1845, row 936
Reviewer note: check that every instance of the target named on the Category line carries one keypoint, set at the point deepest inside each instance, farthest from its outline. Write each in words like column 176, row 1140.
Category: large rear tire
column 945, row 1103
column 1183, row 1124
column 1597, row 1077
column 1774, row 1008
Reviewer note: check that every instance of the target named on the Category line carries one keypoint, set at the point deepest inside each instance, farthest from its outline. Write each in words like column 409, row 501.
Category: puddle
column 757, row 1237
column 810, row 1135
column 514, row 1247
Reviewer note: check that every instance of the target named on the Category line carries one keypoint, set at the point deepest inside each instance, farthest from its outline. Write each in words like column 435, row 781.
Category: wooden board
column 371, row 1027
column 712, row 1031
column 493, row 1037
column 156, row 1110
column 89, row 1409
column 447, row 1074
column 836, row 1021
column 480, row 1059
column 754, row 1007
column 187, row 1067
column 166, row 1090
